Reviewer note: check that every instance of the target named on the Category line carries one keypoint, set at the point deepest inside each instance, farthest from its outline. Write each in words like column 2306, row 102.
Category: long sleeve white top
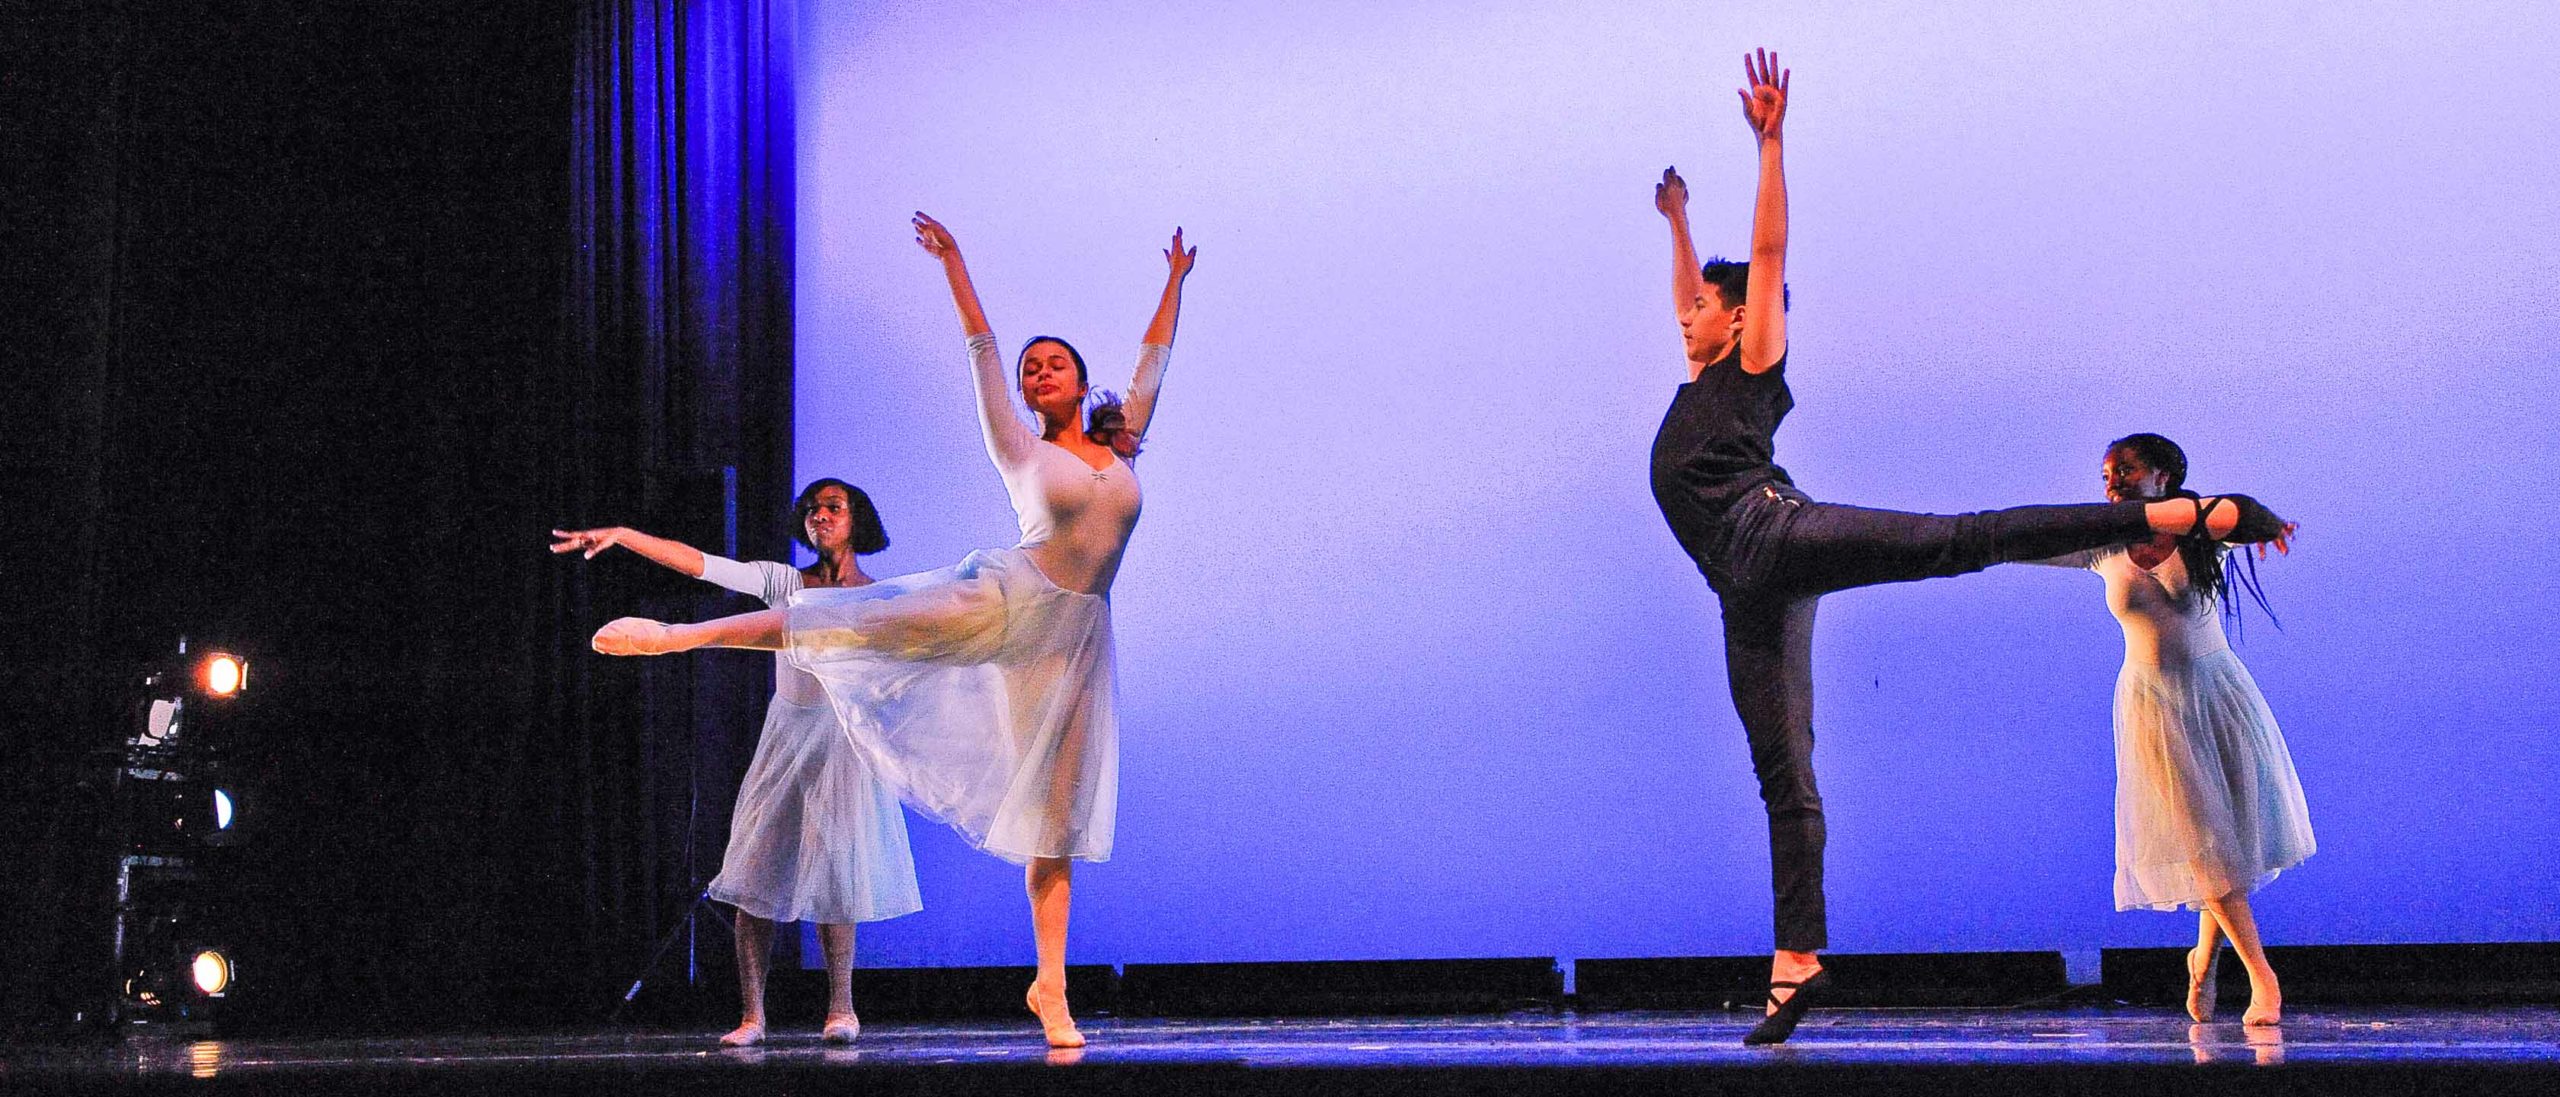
column 772, row 583
column 1075, row 518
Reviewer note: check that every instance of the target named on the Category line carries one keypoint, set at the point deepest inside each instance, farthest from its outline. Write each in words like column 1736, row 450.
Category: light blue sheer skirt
column 2207, row 802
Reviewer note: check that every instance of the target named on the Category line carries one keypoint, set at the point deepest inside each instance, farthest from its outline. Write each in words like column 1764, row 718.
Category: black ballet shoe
column 1776, row 1027
column 2256, row 523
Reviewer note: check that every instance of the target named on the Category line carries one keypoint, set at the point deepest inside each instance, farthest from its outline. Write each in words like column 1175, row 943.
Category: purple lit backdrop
column 1411, row 667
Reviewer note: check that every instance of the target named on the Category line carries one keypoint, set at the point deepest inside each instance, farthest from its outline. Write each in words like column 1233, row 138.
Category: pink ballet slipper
column 2266, row 1010
column 2201, row 987
column 634, row 636
column 1055, row 1022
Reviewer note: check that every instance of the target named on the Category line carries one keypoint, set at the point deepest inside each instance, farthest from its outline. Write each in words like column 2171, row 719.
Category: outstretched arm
column 937, row 242
column 672, row 554
column 1009, row 441
column 1764, row 320
column 1671, row 197
column 1141, row 405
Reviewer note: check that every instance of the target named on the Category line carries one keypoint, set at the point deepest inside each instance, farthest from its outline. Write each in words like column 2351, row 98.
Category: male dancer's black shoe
column 1776, row 1027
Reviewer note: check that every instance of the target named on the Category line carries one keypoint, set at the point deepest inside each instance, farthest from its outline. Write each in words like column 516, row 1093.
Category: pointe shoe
column 747, row 1034
column 1055, row 1023
column 1781, row 1022
column 2201, row 987
column 633, row 636
column 841, row 1028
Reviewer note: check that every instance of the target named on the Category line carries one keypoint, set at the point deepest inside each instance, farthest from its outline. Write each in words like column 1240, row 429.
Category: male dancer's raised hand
column 1764, row 322
column 1764, row 101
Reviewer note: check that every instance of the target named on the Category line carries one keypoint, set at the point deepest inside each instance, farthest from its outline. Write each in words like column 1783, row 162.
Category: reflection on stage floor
column 2110, row 1048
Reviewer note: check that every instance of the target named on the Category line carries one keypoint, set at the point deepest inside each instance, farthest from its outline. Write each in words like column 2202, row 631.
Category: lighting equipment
column 213, row 973
column 223, row 674
column 176, row 810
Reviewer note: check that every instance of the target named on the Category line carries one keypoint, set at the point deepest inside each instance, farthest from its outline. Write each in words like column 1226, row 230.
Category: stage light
column 224, row 674
column 212, row 973
column 179, row 810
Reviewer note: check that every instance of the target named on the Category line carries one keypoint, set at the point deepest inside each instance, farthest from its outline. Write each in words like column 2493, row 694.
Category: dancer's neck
column 836, row 571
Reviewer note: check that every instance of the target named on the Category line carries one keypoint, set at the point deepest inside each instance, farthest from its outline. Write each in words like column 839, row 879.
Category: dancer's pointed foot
column 2266, row 1007
column 747, row 1034
column 634, row 636
column 841, row 1028
column 1055, row 1022
column 2200, row 983
column 1787, row 1010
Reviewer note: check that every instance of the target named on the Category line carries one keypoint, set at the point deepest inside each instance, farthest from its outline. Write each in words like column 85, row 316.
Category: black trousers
column 1774, row 556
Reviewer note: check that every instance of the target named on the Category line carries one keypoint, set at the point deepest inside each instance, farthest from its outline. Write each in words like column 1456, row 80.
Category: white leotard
column 1075, row 518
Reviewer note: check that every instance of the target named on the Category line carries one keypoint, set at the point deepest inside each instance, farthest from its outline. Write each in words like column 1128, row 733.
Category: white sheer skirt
column 2207, row 802
column 815, row 836
column 982, row 693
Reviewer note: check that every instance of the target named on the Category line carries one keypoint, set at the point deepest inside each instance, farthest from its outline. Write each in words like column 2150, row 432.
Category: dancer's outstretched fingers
column 935, row 239
column 592, row 541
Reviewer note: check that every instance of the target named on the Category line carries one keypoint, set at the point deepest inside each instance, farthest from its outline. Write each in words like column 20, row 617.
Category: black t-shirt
column 1717, row 443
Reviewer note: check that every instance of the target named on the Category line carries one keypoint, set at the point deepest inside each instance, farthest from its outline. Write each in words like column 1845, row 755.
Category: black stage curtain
column 321, row 316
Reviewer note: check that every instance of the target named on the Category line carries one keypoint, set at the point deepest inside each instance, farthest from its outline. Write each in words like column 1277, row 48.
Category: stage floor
column 2500, row 1050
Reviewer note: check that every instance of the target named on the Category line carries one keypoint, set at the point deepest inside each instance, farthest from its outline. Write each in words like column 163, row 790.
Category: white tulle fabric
column 815, row 836
column 981, row 693
column 2207, row 801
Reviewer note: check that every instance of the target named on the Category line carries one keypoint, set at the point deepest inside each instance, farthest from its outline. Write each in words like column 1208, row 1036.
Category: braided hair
column 2208, row 568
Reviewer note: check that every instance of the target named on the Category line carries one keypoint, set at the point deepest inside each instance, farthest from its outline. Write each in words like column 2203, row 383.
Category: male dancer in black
column 1770, row 551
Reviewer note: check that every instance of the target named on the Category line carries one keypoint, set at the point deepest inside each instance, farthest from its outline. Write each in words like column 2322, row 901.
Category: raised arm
column 1764, row 320
column 1158, row 346
column 672, row 554
column 1009, row 441
column 1671, row 197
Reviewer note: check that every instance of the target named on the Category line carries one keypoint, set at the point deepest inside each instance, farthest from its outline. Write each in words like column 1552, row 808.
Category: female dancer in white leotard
column 815, row 837
column 983, row 692
column 2208, row 808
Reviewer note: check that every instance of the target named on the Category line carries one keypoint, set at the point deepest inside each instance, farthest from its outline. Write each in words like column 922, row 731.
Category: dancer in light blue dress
column 816, row 836
column 2208, row 808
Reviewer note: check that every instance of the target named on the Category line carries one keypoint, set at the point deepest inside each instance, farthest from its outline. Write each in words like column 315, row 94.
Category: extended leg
column 761, row 630
column 1828, row 546
column 1048, row 881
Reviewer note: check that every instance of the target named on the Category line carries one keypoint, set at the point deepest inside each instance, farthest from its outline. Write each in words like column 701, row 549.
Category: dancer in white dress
column 2208, row 808
column 984, row 692
column 815, row 836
